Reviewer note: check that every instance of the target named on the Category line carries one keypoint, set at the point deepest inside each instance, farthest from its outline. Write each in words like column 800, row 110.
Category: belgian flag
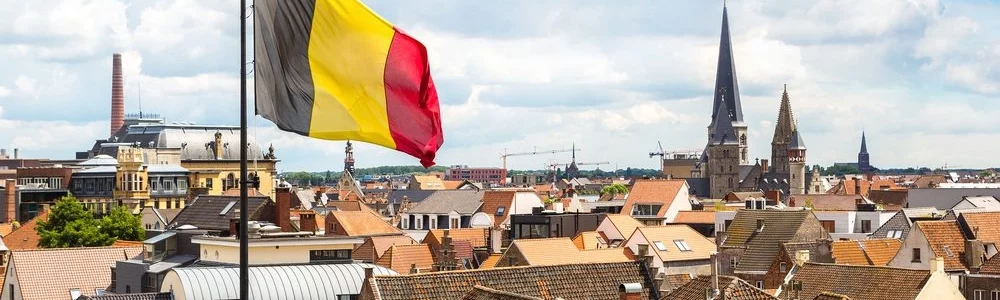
column 335, row 70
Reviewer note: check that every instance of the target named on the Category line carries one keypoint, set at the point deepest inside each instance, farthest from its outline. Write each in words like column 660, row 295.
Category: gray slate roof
column 464, row 202
column 321, row 281
column 944, row 198
column 780, row 226
column 206, row 212
column 195, row 141
column 396, row 196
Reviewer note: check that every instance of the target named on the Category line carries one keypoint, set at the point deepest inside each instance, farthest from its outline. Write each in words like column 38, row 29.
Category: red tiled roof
column 493, row 200
column 475, row 236
column 373, row 247
column 985, row 225
column 360, row 223
column 653, row 192
column 860, row 282
column 695, row 217
column 401, row 258
column 945, row 237
column 50, row 273
column 734, row 288
column 25, row 237
column 875, row 252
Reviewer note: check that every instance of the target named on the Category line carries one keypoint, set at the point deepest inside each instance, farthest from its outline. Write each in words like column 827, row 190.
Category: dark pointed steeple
column 786, row 121
column 796, row 142
column 726, row 87
column 864, row 144
column 722, row 129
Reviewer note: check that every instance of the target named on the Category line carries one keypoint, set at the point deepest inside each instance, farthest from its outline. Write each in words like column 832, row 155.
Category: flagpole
column 244, row 247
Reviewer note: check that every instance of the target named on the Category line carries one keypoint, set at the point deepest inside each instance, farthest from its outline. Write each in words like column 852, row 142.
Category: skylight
column 948, row 251
column 500, row 211
column 227, row 208
column 660, row 246
column 682, row 245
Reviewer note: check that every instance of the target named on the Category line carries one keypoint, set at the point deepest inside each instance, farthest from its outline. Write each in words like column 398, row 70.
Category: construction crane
column 661, row 154
column 504, row 156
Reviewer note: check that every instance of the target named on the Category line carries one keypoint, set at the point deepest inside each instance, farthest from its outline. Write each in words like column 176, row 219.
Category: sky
column 920, row 77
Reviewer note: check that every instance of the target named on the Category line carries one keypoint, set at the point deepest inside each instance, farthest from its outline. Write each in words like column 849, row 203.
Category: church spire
column 726, row 86
column 864, row 144
column 786, row 121
column 722, row 130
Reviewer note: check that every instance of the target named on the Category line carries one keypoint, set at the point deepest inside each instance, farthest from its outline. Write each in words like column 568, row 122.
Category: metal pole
column 244, row 253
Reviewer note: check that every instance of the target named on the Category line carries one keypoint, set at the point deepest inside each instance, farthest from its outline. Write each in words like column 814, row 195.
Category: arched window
column 230, row 182
column 743, row 139
column 730, row 169
column 744, row 153
column 730, row 182
column 722, row 169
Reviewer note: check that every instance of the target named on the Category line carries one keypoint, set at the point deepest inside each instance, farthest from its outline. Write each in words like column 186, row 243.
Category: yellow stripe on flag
column 348, row 45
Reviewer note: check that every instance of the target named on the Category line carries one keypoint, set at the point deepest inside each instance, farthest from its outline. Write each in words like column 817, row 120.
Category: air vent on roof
column 226, row 209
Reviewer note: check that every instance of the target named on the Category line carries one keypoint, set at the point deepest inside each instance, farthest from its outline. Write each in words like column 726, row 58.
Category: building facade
column 483, row 175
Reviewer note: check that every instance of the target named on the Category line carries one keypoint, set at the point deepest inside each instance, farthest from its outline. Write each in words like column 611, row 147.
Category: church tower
column 864, row 164
column 727, row 94
column 782, row 136
column 796, row 165
column 723, row 156
column 349, row 158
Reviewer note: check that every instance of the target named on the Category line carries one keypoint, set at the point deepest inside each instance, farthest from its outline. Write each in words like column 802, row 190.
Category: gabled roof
column 734, row 288
column 414, row 196
column 51, row 273
column 860, row 282
column 558, row 251
column 401, row 258
column 491, row 261
column 464, row 202
column 984, row 225
column 828, row 202
column 215, row 212
column 428, row 182
column 484, row 293
column 26, row 236
column 873, row 252
column 452, row 184
column 165, row 214
column 946, row 241
column 373, row 247
column 695, row 217
column 361, row 223
column 589, row 240
column 661, row 192
column 477, row 237
column 625, row 224
column 493, row 201
column 991, row 266
column 579, row 281
column 700, row 247
column 983, row 201
column 780, row 226
column 831, row 296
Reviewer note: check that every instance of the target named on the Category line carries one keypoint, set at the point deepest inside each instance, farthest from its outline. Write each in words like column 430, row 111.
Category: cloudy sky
column 921, row 77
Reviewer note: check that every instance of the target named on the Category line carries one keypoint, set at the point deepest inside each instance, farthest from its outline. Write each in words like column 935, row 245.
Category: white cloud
column 943, row 37
column 181, row 27
column 27, row 85
column 4, row 92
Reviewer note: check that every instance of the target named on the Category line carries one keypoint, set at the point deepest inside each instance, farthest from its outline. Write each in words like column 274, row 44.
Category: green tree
column 70, row 225
column 614, row 189
column 123, row 225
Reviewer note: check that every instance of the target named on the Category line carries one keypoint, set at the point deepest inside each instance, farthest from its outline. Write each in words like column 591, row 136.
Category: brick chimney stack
column 307, row 221
column 10, row 197
column 117, row 95
column 282, row 206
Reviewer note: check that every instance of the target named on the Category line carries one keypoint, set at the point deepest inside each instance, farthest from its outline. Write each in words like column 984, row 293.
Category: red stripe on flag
column 411, row 99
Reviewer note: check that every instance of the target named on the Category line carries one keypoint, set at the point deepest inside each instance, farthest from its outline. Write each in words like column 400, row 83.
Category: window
column 454, row 223
column 743, row 140
column 732, row 263
column 730, row 182
column 682, row 245
column 947, row 250
column 995, row 295
column 645, row 209
column 783, row 267
column 208, row 183
column 829, row 225
column 916, row 255
column 500, row 211
column 660, row 246
column 894, row 234
column 760, row 284
column 327, row 255
column 980, row 295
column 866, row 226
column 154, row 186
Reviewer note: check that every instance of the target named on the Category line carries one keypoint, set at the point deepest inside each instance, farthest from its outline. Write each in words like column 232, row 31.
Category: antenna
column 140, row 97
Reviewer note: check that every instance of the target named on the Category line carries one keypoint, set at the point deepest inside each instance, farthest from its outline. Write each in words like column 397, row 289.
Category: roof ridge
column 863, row 266
column 501, row 268
column 72, row 248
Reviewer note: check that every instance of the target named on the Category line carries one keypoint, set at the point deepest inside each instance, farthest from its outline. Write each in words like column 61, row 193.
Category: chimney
column 234, row 224
column 974, row 254
column 630, row 291
column 307, row 221
column 764, row 165
column 643, row 251
column 938, row 265
column 496, row 241
column 15, row 154
column 715, row 273
column 857, row 185
column 3, row 153
column 774, row 195
column 117, row 95
column 10, row 201
column 282, row 207
column 801, row 257
column 369, row 273
column 413, row 269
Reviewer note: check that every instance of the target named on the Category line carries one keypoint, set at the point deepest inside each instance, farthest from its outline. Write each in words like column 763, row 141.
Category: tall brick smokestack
column 117, row 95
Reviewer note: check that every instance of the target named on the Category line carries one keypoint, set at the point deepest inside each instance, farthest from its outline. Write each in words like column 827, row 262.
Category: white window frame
column 760, row 284
column 682, row 245
column 782, row 267
column 995, row 295
column 733, row 263
column 979, row 295
column 659, row 246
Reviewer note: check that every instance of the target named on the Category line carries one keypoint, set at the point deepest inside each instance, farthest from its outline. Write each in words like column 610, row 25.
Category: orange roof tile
column 559, row 251
column 653, row 192
column 695, row 217
column 490, row 262
column 700, row 247
column 475, row 236
column 946, row 241
column 452, row 184
column 625, row 224
column 849, row 253
column 126, row 244
column 881, row 251
column 6, row 228
column 401, row 258
column 235, row 192
column 589, row 240
column 985, row 225
column 493, row 200
column 373, row 247
column 25, row 237
column 51, row 273
column 360, row 223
